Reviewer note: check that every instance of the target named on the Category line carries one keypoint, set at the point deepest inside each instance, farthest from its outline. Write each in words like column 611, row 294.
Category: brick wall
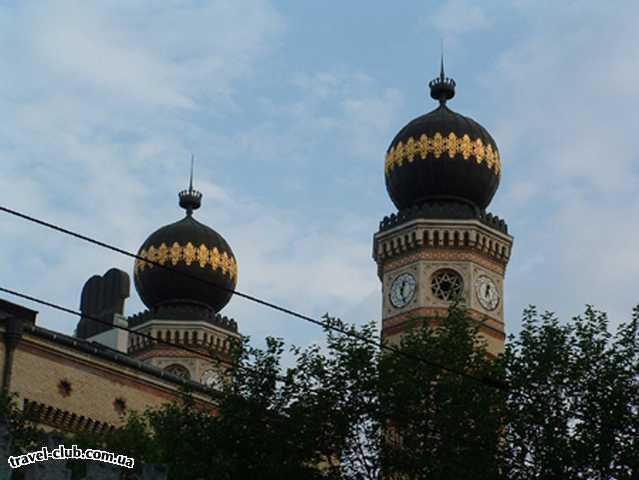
column 73, row 390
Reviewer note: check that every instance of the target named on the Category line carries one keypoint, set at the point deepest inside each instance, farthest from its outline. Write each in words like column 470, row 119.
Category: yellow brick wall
column 39, row 367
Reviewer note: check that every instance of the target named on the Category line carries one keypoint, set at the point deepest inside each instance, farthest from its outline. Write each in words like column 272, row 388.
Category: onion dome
column 193, row 248
column 442, row 156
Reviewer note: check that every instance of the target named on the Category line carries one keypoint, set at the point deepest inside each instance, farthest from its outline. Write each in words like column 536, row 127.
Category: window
column 178, row 370
column 447, row 285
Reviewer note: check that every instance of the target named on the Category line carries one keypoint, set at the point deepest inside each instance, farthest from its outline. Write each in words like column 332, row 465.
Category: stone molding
column 462, row 235
column 62, row 419
column 397, row 323
column 443, row 255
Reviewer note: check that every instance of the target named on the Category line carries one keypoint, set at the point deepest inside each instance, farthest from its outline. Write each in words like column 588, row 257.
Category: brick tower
column 442, row 170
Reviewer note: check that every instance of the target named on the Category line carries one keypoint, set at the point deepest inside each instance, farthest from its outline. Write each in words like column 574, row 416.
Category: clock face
column 487, row 292
column 210, row 378
column 403, row 290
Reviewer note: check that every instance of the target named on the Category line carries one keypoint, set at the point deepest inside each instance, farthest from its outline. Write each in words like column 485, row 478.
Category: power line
column 191, row 350
column 127, row 329
column 325, row 325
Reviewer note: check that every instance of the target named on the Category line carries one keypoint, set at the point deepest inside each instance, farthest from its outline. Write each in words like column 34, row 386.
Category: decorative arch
column 178, row 370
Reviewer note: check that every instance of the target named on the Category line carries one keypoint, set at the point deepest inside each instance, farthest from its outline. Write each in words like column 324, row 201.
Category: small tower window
column 447, row 285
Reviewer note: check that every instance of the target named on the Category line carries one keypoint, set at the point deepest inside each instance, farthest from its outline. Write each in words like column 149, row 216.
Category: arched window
column 178, row 370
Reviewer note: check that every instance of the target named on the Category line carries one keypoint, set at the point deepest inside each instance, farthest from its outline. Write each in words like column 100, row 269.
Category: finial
column 190, row 199
column 191, row 177
column 442, row 88
column 441, row 67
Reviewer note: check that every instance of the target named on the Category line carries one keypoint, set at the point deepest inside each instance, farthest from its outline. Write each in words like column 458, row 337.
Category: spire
column 442, row 88
column 191, row 177
column 442, row 77
column 190, row 199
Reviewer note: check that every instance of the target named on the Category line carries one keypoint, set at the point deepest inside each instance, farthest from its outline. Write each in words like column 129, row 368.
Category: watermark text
column 73, row 453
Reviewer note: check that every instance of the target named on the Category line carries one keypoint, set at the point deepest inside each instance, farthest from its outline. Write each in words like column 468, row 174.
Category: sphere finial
column 190, row 199
column 442, row 88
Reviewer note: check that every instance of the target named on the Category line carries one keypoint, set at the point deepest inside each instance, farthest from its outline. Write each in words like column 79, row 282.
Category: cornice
column 100, row 357
column 430, row 236
column 444, row 211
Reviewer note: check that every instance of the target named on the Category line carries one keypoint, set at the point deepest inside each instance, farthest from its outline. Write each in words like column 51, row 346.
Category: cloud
column 322, row 109
column 582, row 255
column 100, row 109
column 567, row 108
column 457, row 17
column 355, row 109
column 563, row 112
column 113, row 102
column 102, row 104
column 369, row 121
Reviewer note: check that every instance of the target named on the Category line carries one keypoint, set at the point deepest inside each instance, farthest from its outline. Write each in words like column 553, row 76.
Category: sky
column 289, row 108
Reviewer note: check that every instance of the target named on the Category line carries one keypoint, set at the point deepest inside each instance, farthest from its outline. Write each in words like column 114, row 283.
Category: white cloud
column 101, row 107
column 456, row 17
column 369, row 121
column 96, row 124
column 564, row 114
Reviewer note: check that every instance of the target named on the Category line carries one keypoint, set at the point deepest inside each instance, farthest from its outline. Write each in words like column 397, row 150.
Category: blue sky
column 289, row 108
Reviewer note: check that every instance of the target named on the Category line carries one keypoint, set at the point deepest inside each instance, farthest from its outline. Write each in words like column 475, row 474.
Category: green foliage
column 573, row 407
column 567, row 408
column 445, row 424
column 25, row 435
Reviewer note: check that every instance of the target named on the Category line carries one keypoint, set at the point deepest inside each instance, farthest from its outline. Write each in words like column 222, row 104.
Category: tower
column 184, row 300
column 442, row 170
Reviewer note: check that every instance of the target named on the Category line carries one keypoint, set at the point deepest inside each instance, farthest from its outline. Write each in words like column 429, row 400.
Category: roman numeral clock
column 442, row 170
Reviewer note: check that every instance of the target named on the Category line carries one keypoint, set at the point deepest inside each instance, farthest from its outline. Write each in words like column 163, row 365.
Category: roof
column 103, row 352
column 12, row 310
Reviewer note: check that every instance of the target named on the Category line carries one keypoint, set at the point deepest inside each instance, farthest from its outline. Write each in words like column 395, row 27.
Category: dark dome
column 187, row 246
column 440, row 155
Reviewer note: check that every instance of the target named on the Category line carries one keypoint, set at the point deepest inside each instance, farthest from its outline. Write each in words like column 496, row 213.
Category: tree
column 573, row 405
column 269, row 425
column 448, row 421
column 561, row 403
column 24, row 433
column 331, row 414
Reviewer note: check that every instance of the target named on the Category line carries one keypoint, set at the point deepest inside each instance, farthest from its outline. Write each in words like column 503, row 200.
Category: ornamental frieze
column 203, row 256
column 445, row 256
column 439, row 145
